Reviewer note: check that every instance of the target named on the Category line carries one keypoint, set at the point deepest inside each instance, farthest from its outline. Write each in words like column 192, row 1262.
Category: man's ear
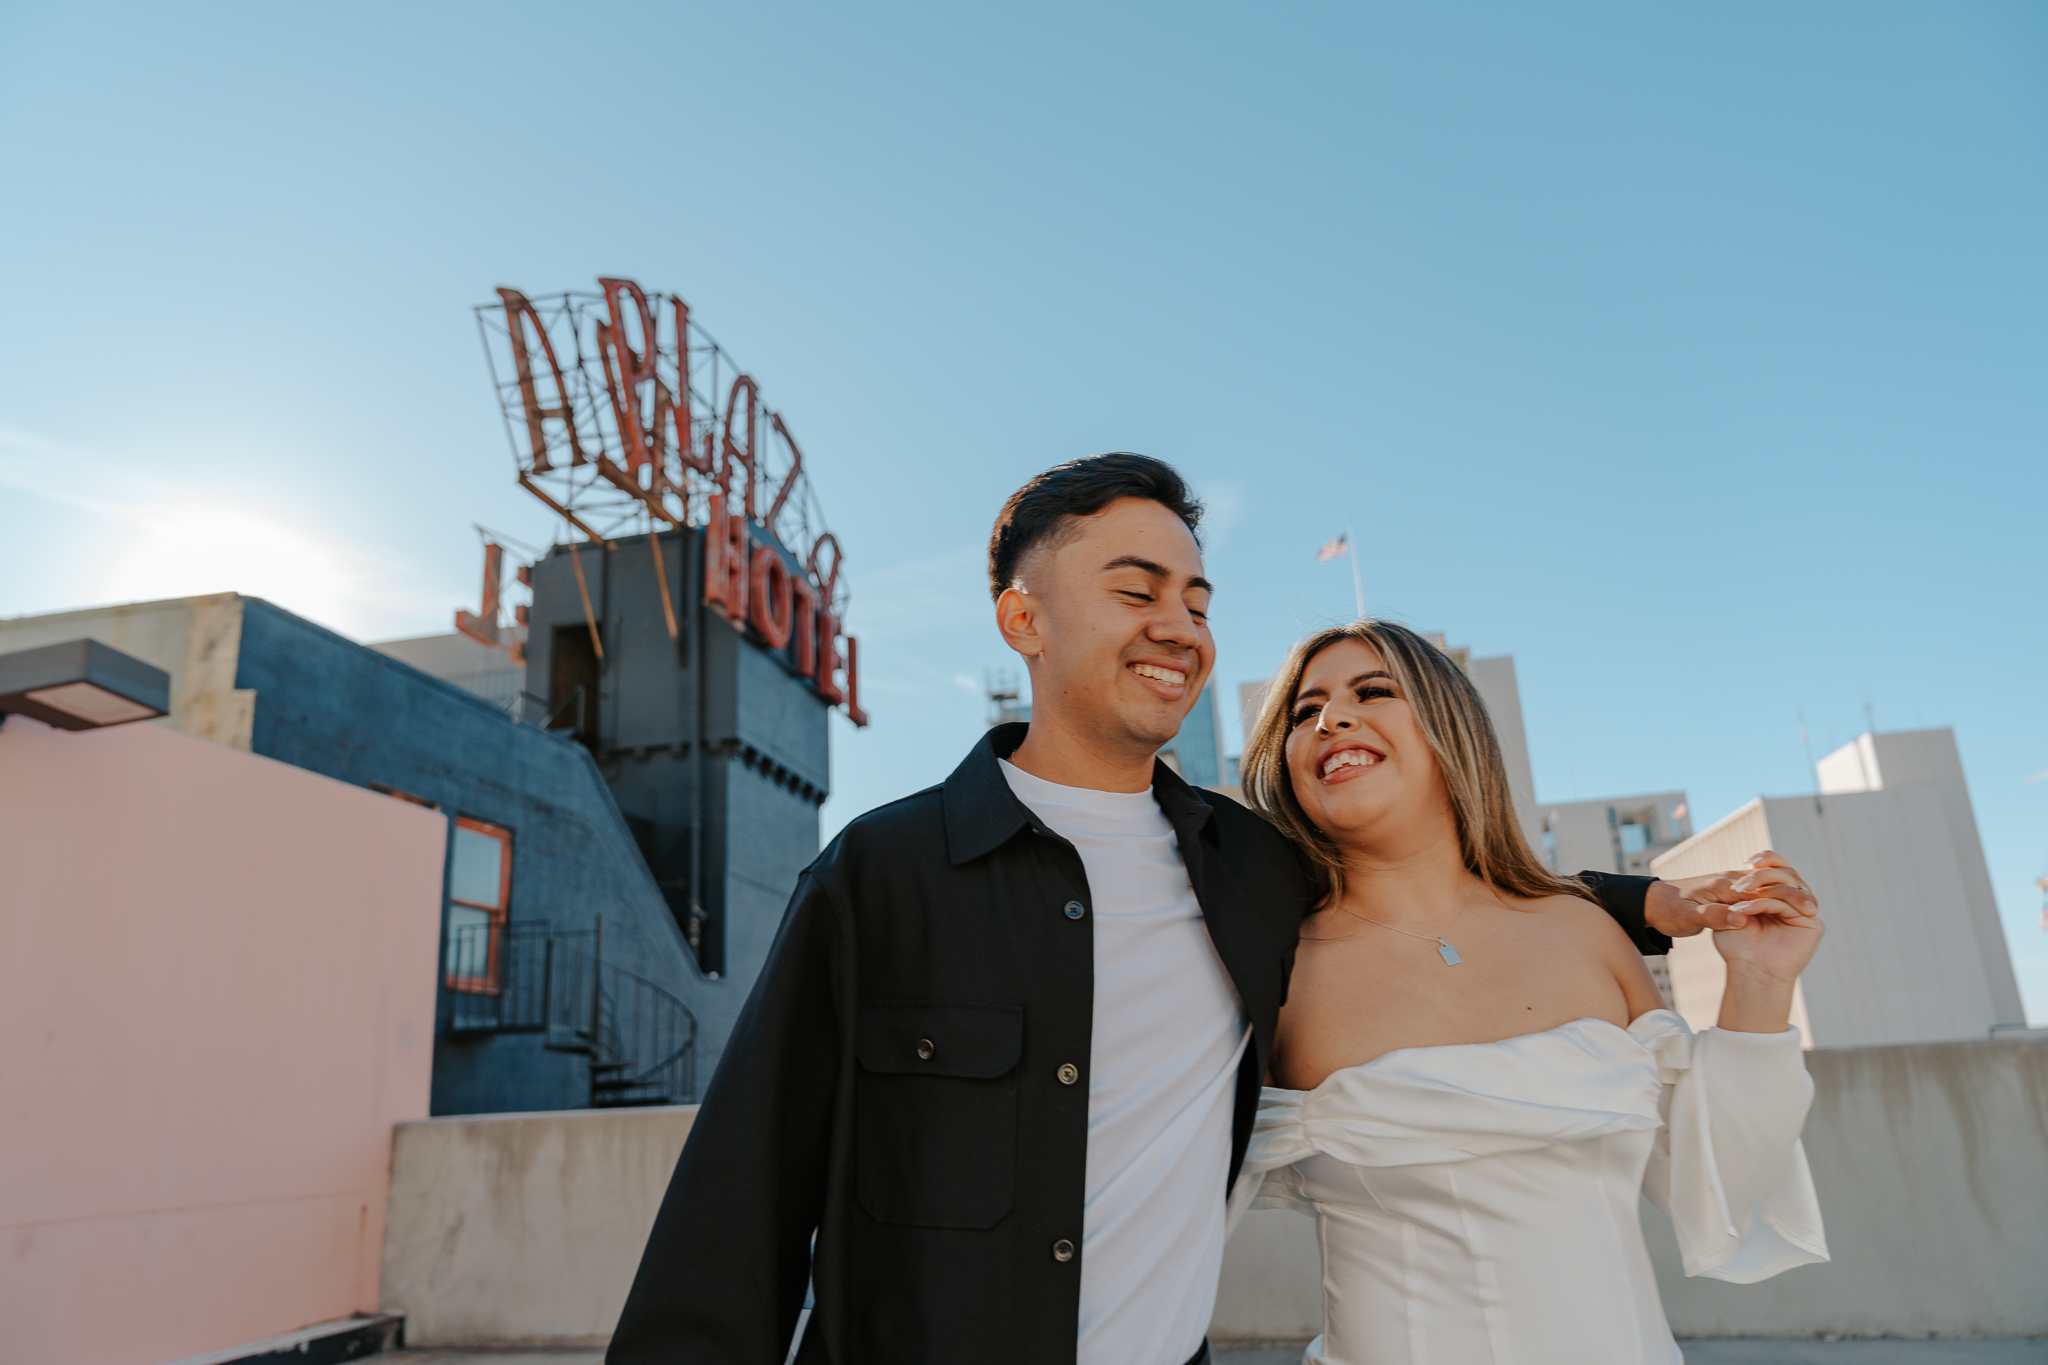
column 1017, row 613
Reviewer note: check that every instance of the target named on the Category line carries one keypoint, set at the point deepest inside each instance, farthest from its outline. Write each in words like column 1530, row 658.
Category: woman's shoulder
column 1579, row 916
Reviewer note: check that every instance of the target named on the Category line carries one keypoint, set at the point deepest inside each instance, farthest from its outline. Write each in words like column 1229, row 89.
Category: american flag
column 1333, row 549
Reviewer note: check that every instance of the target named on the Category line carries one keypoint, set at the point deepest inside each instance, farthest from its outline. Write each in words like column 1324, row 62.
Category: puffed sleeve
column 1728, row 1166
column 1266, row 1180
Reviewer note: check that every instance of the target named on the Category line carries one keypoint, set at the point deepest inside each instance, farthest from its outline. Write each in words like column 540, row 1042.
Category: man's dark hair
column 1042, row 514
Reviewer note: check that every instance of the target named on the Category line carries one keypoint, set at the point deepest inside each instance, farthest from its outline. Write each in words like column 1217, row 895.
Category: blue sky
column 1692, row 354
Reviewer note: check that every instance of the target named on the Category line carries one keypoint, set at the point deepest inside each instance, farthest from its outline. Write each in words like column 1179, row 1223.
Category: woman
column 1475, row 1075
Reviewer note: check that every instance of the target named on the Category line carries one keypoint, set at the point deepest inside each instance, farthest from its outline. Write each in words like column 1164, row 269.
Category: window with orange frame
column 479, row 892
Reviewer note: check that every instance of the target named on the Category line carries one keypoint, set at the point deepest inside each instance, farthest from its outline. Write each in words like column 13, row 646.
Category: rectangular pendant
column 1448, row 954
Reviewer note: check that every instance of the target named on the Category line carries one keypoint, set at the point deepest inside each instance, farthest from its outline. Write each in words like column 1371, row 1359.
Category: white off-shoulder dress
column 1477, row 1203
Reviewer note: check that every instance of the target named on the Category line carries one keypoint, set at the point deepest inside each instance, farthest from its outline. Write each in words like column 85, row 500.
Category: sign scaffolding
column 624, row 415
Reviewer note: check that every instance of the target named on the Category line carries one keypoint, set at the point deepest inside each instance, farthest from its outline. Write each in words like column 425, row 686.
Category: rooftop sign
column 621, row 429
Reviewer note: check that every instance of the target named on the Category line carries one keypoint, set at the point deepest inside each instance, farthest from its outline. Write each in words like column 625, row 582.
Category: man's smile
column 1170, row 676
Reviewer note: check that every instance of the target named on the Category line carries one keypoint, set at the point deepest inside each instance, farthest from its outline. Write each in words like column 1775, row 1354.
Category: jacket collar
column 982, row 813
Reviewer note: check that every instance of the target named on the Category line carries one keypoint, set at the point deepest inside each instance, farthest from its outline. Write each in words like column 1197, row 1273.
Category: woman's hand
column 1765, row 958
column 1684, row 906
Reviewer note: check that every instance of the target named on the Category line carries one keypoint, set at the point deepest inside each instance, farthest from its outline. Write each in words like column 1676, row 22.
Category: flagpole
column 1357, row 584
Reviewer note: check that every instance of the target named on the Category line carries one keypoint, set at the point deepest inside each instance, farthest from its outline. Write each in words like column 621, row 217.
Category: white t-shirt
column 1169, row 1031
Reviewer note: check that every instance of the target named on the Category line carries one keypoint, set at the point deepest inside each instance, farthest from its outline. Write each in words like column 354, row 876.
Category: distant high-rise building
column 1196, row 753
column 1614, row 833
column 1494, row 676
column 1915, row 951
column 1250, row 697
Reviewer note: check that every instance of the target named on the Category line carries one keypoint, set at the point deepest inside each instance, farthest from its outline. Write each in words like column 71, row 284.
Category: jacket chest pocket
column 935, row 1111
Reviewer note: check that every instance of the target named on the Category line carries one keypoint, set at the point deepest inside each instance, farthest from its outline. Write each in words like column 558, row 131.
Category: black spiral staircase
column 528, row 977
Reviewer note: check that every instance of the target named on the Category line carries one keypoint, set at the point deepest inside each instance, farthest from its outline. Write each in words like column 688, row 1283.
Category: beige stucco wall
column 197, row 640
column 520, row 1228
column 1932, row 1167
column 216, row 997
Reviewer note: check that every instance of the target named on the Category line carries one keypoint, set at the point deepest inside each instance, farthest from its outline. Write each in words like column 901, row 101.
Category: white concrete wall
column 1932, row 1167
column 524, row 1228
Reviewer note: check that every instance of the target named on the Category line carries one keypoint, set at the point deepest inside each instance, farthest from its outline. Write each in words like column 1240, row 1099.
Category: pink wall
column 216, row 998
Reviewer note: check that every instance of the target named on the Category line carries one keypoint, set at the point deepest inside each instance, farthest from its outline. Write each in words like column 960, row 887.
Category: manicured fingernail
column 1745, row 883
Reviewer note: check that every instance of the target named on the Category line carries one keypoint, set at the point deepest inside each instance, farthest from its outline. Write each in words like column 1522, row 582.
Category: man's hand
column 1728, row 900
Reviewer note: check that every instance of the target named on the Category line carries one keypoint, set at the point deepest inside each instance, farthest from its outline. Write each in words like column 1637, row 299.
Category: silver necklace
column 1444, row 949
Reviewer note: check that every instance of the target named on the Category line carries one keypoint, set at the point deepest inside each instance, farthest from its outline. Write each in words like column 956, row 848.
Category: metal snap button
column 1069, row 1073
column 1063, row 1250
column 925, row 1049
column 1075, row 909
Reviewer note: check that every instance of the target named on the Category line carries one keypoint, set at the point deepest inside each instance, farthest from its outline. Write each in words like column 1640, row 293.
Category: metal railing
column 643, row 1050
column 525, row 977
column 498, row 977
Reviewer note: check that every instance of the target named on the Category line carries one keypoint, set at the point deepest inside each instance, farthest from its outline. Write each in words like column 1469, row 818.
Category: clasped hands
column 1766, row 926
column 1771, row 888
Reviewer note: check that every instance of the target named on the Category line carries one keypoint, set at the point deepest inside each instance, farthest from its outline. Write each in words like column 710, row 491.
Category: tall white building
column 1915, row 952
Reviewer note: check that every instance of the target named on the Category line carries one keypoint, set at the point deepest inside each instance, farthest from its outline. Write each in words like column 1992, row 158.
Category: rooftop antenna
column 1812, row 768
column 1005, row 698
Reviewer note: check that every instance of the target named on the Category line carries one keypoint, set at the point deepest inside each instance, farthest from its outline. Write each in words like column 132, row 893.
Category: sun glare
column 187, row 548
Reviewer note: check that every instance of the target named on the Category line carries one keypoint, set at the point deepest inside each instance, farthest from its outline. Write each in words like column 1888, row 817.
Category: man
column 1001, row 1065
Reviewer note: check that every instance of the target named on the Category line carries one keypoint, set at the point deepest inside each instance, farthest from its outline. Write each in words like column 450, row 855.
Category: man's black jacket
column 909, row 1082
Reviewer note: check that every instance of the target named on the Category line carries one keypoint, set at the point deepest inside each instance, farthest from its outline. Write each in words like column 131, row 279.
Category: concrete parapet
column 524, row 1228
column 1932, row 1165
column 1931, row 1162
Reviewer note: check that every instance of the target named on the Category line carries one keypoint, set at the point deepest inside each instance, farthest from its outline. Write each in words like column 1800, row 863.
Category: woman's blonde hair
column 1453, row 720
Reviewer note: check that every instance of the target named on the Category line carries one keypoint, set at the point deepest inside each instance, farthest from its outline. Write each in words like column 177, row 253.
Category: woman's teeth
column 1165, row 675
column 1349, row 758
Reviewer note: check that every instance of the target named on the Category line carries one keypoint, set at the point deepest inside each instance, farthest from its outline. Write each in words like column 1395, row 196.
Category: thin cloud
column 159, row 540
